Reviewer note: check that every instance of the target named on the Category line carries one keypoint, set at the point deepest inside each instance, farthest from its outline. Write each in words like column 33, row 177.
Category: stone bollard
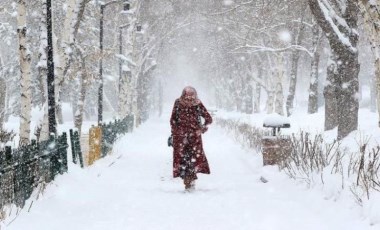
column 276, row 149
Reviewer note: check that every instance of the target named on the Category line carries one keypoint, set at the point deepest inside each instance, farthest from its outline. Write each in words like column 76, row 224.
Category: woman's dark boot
column 187, row 181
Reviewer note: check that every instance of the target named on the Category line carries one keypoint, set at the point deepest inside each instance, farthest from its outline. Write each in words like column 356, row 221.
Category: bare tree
column 370, row 11
column 298, row 32
column 339, row 23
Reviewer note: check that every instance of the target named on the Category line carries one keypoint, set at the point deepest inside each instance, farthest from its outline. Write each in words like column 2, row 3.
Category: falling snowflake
column 228, row 2
column 285, row 36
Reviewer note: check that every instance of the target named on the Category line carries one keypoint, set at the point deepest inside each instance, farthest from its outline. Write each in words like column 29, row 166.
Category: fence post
column 8, row 155
column 104, row 139
column 77, row 150
column 62, row 148
column 9, row 177
column 73, row 147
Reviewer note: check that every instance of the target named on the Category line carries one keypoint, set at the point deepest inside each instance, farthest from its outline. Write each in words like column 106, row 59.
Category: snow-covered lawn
column 133, row 189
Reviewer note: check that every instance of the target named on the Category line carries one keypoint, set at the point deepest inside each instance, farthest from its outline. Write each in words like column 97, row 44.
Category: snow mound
column 276, row 120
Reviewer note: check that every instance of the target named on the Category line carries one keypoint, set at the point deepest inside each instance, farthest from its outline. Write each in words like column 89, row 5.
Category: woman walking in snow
column 187, row 128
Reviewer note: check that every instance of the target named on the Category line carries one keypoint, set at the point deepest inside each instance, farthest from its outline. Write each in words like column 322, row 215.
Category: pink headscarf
column 189, row 96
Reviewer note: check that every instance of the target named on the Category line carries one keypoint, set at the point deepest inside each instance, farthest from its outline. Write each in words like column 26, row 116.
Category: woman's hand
column 204, row 129
column 201, row 130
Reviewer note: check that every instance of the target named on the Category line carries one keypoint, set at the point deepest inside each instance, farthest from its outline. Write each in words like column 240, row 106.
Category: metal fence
column 75, row 148
column 23, row 169
column 112, row 130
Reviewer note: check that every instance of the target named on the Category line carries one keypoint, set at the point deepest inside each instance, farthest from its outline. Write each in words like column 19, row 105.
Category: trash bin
column 276, row 148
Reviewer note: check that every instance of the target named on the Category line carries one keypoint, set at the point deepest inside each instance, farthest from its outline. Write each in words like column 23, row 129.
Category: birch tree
column 74, row 15
column 82, row 76
column 3, row 90
column 42, row 71
column 25, row 60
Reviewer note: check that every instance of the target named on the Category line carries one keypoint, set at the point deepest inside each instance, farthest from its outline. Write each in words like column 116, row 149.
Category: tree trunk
column 294, row 64
column 3, row 94
column 42, row 73
column 3, row 90
column 270, row 101
column 64, row 51
column 257, row 91
column 348, row 102
column 74, row 15
column 293, row 82
column 249, row 99
column 132, row 53
column 314, row 75
column 25, row 59
column 331, row 116
column 371, row 16
column 279, row 101
column 377, row 73
column 340, row 27
column 78, row 117
column 42, row 55
column 124, row 98
column 313, row 91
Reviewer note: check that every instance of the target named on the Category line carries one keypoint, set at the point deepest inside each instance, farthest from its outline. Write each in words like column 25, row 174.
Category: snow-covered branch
column 254, row 49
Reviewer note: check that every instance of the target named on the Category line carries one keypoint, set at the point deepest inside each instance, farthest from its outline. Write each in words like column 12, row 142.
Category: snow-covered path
column 133, row 189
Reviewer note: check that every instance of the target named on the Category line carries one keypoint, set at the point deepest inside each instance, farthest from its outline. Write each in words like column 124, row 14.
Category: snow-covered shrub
column 244, row 133
column 319, row 162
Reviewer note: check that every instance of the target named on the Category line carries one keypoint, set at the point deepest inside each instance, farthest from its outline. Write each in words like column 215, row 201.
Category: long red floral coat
column 186, row 130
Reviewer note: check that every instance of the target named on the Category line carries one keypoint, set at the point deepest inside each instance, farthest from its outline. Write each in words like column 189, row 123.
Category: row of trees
column 126, row 57
column 258, row 41
column 240, row 48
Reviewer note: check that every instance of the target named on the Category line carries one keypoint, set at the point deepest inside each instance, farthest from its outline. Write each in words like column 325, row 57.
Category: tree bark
column 132, row 54
column 78, row 116
column 257, row 91
column 74, row 15
column 294, row 64
column 248, row 102
column 293, row 82
column 42, row 72
column 371, row 15
column 3, row 90
column 313, row 90
column 3, row 95
column 314, row 75
column 25, row 59
column 279, row 101
column 339, row 22
column 270, row 101
column 329, row 92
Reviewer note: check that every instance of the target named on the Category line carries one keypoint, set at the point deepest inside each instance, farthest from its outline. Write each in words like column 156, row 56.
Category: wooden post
column 95, row 142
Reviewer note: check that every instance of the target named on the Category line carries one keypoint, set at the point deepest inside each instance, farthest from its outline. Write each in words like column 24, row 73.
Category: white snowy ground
column 133, row 189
